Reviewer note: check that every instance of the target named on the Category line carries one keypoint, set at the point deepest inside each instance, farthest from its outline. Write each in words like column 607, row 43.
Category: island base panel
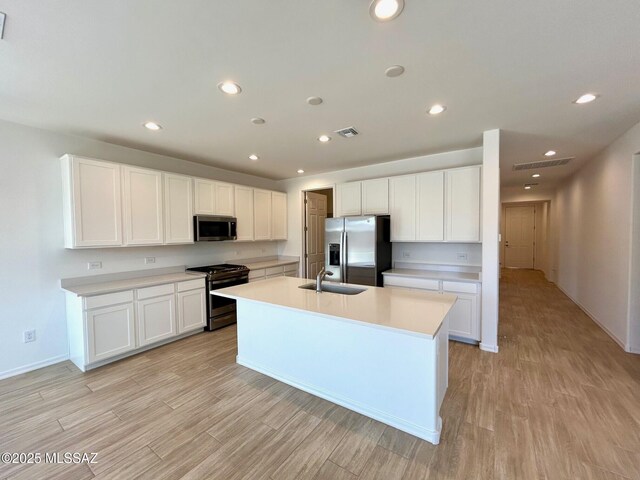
column 394, row 377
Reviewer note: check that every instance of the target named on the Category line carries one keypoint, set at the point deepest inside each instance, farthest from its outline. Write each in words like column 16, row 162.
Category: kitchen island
column 382, row 352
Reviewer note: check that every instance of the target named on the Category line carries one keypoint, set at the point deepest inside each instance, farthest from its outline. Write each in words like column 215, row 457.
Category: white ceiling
column 101, row 68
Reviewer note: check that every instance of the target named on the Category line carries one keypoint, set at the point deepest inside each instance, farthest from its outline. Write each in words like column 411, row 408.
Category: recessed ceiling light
column 152, row 126
column 253, row 157
column 385, row 10
column 536, row 175
column 527, row 187
column 314, row 100
column 586, row 98
column 394, row 71
column 257, row 121
column 324, row 138
column 230, row 88
column 550, row 153
column 300, row 171
column 436, row 109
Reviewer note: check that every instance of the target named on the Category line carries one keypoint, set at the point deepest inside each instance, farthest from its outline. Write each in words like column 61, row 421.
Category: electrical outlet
column 406, row 254
column 148, row 260
column 94, row 265
column 29, row 336
column 462, row 256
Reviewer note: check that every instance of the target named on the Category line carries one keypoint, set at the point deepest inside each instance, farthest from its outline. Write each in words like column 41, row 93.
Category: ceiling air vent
column 542, row 164
column 347, row 132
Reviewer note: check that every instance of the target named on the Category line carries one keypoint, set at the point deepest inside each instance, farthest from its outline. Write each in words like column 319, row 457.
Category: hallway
column 561, row 398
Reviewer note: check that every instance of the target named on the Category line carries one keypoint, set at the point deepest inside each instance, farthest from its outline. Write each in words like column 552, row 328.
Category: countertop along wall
column 594, row 218
column 31, row 238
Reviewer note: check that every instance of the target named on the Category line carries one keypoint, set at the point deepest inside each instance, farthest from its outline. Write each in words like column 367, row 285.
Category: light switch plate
column 462, row 256
column 94, row 265
column 148, row 260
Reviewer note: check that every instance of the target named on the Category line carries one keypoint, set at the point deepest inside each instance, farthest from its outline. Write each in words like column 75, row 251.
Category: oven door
column 222, row 310
column 211, row 228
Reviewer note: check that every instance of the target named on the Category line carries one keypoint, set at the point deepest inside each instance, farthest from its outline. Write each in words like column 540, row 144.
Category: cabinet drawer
column 274, row 270
column 291, row 268
column 461, row 287
column 108, row 299
column 256, row 273
column 156, row 291
column 421, row 283
column 191, row 285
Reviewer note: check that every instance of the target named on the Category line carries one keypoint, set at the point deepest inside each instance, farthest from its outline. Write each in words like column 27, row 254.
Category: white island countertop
column 415, row 312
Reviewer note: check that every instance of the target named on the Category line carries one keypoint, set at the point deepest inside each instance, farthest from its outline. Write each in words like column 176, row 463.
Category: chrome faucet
column 320, row 277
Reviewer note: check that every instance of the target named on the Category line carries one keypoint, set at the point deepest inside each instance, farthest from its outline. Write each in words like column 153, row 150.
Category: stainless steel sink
column 328, row 287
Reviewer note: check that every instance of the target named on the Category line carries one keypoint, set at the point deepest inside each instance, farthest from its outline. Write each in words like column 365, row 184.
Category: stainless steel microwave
column 209, row 228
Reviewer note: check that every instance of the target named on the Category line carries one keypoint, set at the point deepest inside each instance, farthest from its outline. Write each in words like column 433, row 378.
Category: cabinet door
column 204, row 194
column 110, row 331
column 224, row 202
column 192, row 310
column 261, row 214
column 156, row 319
column 430, row 206
column 178, row 209
column 349, row 199
column 375, row 197
column 402, row 208
column 463, row 317
column 278, row 216
column 92, row 202
column 463, row 205
column 143, row 217
column 244, row 212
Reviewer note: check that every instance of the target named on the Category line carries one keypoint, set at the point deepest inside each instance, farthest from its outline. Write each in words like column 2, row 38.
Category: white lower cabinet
column 104, row 328
column 192, row 314
column 464, row 317
column 110, row 331
column 156, row 319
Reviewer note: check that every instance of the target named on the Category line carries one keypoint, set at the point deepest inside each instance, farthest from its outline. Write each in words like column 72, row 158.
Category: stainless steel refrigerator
column 358, row 249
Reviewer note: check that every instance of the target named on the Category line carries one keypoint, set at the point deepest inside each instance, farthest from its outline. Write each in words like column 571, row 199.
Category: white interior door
column 519, row 237
column 316, row 213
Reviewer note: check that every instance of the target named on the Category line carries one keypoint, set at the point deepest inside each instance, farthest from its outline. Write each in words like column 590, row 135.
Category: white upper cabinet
column 244, row 212
column 375, row 196
column 92, row 202
column 261, row 214
column 204, row 194
column 463, row 204
column 224, row 199
column 178, row 209
column 402, row 208
column 213, row 198
column 430, row 206
column 349, row 199
column 278, row 216
column 142, row 206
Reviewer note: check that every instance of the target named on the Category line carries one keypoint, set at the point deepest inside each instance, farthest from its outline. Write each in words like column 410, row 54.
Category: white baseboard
column 33, row 366
column 595, row 320
column 489, row 348
column 431, row 436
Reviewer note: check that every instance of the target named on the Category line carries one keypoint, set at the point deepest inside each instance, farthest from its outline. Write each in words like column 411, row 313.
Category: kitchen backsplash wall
column 438, row 253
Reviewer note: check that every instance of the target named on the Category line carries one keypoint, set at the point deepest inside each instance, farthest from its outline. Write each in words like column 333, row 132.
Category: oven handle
column 220, row 282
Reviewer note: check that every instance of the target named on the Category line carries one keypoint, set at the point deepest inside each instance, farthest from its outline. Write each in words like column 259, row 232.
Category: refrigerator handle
column 343, row 273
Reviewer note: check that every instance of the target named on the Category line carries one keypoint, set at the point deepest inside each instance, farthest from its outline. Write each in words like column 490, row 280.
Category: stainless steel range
column 222, row 311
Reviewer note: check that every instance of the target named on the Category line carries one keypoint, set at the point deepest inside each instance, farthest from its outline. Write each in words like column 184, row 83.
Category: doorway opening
column 525, row 230
column 317, row 206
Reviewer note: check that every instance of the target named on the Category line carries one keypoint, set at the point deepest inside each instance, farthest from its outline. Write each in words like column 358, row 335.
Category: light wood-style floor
column 560, row 401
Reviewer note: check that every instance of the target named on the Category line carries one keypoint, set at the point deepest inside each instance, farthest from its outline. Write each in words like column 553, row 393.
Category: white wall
column 634, row 285
column 296, row 186
column 31, row 238
column 594, row 213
